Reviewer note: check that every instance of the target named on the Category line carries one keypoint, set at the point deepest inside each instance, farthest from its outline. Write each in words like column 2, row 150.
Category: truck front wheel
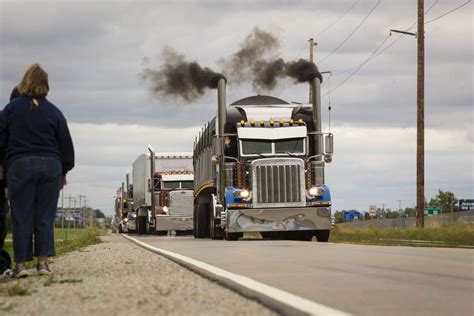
column 141, row 225
column 201, row 228
column 322, row 235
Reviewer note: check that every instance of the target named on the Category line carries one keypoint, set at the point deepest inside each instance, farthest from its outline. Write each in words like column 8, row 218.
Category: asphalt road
column 357, row 279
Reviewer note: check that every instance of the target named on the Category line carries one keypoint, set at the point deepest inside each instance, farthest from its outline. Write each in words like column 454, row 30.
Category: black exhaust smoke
column 188, row 80
column 180, row 78
column 266, row 73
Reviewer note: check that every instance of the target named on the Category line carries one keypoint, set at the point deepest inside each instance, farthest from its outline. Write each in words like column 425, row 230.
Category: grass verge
column 456, row 235
column 67, row 240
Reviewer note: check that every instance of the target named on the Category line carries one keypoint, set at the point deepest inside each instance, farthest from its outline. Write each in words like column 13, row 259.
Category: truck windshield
column 178, row 184
column 295, row 145
column 280, row 146
column 187, row 185
column 250, row 147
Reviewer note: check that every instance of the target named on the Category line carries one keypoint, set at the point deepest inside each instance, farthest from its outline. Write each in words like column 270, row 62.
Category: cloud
column 94, row 52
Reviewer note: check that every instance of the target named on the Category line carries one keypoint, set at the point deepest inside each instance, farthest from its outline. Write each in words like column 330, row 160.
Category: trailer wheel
column 202, row 221
column 306, row 235
column 322, row 235
column 141, row 225
column 233, row 236
column 214, row 231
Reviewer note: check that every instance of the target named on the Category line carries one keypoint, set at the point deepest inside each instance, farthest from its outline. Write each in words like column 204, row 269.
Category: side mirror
column 215, row 160
column 329, row 144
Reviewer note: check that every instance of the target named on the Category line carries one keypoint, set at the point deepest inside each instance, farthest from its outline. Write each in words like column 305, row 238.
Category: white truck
column 163, row 203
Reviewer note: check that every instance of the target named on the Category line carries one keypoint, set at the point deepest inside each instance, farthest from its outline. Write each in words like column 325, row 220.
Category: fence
column 464, row 217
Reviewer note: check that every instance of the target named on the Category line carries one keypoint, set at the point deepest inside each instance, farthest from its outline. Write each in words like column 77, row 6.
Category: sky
column 94, row 52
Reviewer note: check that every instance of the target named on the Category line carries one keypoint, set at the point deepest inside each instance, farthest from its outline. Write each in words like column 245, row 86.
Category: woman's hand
column 63, row 182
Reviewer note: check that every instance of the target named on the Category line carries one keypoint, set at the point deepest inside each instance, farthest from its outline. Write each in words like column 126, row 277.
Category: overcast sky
column 94, row 53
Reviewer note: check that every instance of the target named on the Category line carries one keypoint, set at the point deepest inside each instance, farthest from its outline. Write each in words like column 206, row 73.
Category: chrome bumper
column 166, row 222
column 278, row 219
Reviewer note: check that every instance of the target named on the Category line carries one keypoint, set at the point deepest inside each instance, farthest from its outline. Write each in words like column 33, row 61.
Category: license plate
column 278, row 226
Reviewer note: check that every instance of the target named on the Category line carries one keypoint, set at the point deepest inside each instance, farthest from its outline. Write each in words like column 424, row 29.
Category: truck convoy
column 259, row 167
column 163, row 202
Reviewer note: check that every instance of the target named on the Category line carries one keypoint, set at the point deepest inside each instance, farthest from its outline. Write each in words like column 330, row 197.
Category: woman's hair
column 34, row 83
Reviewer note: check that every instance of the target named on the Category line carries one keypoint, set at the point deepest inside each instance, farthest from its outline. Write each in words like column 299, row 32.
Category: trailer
column 163, row 203
column 259, row 167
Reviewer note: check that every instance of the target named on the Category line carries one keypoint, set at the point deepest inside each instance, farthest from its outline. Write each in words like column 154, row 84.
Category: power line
column 338, row 19
column 374, row 54
column 351, row 33
column 446, row 13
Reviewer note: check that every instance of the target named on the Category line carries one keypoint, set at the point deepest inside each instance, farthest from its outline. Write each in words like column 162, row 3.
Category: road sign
column 373, row 210
column 466, row 205
column 434, row 210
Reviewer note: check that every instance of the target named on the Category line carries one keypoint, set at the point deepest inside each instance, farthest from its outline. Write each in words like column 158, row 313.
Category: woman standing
column 37, row 151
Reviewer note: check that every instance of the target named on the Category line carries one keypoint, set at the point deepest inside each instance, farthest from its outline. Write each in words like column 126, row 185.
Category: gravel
column 120, row 278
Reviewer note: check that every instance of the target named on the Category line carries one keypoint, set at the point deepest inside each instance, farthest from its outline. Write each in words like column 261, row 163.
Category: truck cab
column 259, row 167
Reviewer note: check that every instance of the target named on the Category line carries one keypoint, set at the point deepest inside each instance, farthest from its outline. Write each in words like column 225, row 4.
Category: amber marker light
column 242, row 123
column 291, row 122
column 252, row 122
column 300, row 121
column 262, row 123
column 272, row 122
column 282, row 122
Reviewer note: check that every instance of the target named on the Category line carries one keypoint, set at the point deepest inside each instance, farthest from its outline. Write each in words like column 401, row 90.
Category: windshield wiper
column 259, row 154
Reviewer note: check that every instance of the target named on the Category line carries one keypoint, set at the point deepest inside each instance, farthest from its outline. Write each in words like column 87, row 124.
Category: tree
column 366, row 216
column 98, row 214
column 339, row 216
column 446, row 200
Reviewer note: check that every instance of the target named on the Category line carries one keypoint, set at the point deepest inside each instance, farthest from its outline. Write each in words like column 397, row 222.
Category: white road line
column 299, row 303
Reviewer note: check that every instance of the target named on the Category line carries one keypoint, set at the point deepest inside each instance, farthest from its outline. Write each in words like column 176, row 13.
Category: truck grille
column 181, row 203
column 278, row 182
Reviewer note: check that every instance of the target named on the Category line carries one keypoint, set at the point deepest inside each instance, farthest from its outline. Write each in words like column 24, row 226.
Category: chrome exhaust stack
column 318, row 135
column 220, row 124
column 152, row 186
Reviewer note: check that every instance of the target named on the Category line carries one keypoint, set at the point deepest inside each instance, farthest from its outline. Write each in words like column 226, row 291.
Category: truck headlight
column 165, row 209
column 243, row 194
column 316, row 191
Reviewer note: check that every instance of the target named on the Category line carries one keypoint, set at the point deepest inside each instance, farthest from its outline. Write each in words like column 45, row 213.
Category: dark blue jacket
column 30, row 130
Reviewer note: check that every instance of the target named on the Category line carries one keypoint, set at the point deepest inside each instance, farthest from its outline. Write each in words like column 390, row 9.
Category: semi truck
column 259, row 167
column 124, row 207
column 163, row 192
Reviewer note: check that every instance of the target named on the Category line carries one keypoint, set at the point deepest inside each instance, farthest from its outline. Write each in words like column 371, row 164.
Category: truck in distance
column 163, row 202
column 259, row 167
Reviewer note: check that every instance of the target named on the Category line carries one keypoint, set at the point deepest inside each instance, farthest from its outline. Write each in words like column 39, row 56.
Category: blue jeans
column 33, row 185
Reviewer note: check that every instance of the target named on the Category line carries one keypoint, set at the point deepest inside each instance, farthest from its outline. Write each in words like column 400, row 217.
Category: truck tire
column 194, row 219
column 233, row 236
column 216, row 233
column 322, row 235
column 202, row 221
column 306, row 235
column 141, row 225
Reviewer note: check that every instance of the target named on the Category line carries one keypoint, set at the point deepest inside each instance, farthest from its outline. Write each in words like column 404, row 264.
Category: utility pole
column 420, row 114
column 420, row 126
column 312, row 44
column 83, row 209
